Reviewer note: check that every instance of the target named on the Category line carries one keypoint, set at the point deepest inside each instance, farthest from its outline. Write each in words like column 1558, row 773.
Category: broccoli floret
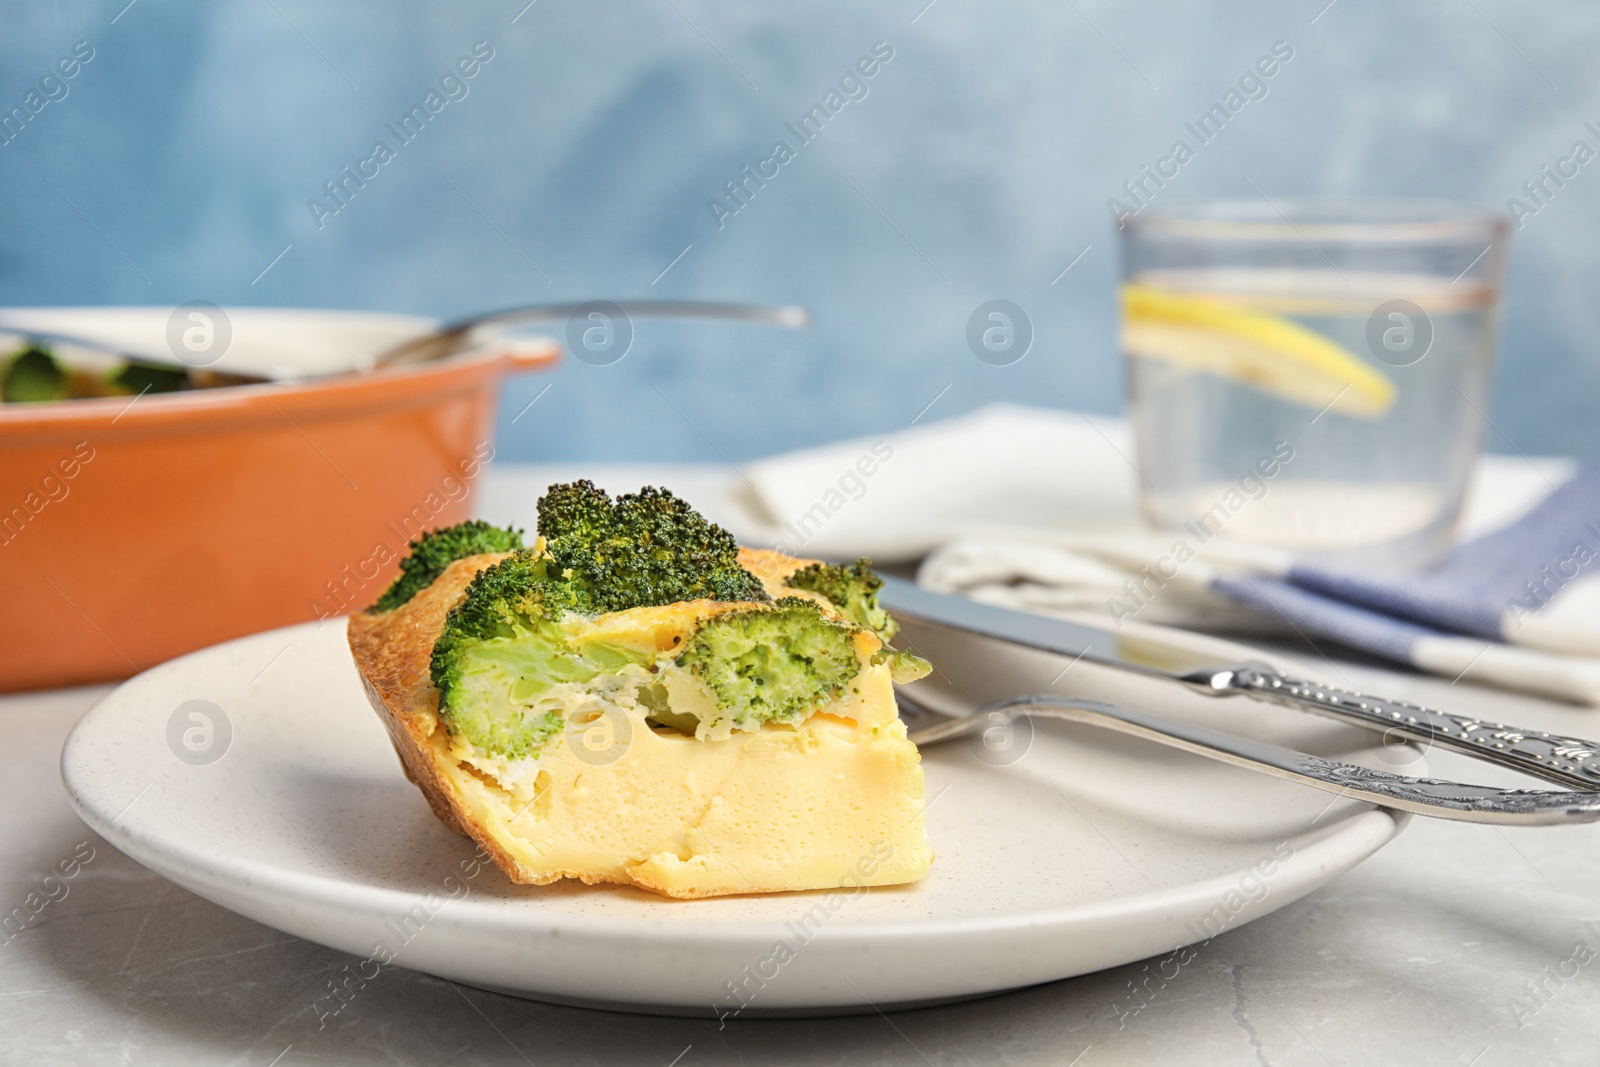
column 643, row 548
column 502, row 647
column 512, row 598
column 437, row 549
column 33, row 374
column 903, row 666
column 776, row 664
column 579, row 511
column 853, row 590
column 659, row 711
column 148, row 378
column 503, row 644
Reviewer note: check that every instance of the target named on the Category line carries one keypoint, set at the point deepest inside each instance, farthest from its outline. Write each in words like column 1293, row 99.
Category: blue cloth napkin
column 1525, row 598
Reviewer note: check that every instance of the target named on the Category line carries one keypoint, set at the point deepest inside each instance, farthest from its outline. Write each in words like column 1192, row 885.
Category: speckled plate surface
column 255, row 775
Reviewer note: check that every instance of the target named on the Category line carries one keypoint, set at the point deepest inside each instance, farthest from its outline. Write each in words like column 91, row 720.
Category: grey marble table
column 1463, row 945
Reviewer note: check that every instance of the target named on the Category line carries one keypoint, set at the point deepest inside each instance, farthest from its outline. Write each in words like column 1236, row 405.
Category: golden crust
column 393, row 652
column 772, row 567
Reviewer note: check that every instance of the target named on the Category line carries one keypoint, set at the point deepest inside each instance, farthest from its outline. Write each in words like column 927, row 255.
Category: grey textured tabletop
column 1456, row 944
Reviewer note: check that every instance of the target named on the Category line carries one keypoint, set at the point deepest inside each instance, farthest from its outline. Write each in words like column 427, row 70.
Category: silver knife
column 1569, row 761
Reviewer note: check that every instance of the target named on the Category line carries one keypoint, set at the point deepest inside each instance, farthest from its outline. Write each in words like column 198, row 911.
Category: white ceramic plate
column 1083, row 850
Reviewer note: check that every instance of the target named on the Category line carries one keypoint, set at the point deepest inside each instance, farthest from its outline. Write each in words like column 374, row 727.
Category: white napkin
column 899, row 494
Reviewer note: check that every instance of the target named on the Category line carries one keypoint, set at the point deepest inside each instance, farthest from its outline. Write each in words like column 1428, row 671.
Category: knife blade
column 1046, row 633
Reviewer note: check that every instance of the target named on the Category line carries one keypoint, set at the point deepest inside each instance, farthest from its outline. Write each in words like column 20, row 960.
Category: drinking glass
column 1311, row 375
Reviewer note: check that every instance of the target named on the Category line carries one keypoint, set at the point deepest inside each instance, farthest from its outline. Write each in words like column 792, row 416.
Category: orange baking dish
column 134, row 532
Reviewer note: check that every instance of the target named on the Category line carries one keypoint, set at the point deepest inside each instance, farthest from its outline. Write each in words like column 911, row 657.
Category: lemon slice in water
column 1272, row 354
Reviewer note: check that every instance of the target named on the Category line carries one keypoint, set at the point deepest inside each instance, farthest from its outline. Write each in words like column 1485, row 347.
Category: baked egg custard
column 634, row 699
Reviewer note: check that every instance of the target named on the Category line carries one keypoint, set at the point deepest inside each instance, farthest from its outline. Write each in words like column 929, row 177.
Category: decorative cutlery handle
column 1570, row 761
column 1459, row 801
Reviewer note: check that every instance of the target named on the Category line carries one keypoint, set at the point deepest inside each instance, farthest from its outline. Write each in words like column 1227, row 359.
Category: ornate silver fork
column 1434, row 797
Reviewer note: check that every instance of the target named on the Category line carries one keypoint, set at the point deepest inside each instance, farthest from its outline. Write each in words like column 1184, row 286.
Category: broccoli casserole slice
column 634, row 699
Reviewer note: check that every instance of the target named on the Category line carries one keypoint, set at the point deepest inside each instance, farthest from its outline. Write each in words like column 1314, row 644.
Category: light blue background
column 978, row 167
